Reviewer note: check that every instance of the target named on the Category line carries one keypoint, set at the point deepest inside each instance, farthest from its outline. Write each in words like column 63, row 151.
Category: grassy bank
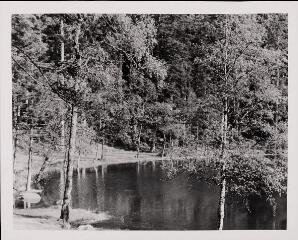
column 111, row 156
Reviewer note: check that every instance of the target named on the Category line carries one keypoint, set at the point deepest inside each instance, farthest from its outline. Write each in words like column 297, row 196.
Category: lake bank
column 112, row 156
column 48, row 218
column 140, row 197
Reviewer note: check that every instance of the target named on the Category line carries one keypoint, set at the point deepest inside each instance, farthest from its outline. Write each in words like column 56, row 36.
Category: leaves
column 161, row 79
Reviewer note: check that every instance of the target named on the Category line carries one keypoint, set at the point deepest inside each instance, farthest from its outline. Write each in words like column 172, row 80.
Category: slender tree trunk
column 222, row 204
column 28, row 185
column 62, row 81
column 223, row 168
column 61, row 186
column 15, row 139
column 139, row 141
column 62, row 40
column 274, row 208
column 96, row 152
column 276, row 116
column 69, row 169
column 15, row 142
column 63, row 149
column 43, row 167
column 102, row 148
column 153, row 147
column 78, row 163
column 237, row 118
column 221, row 210
column 71, row 145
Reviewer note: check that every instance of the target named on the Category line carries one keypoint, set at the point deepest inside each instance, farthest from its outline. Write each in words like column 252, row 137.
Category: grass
column 111, row 156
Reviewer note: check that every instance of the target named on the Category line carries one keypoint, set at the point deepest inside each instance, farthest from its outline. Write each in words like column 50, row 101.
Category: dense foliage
column 160, row 83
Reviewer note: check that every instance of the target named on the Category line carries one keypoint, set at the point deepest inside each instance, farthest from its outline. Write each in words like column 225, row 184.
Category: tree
column 92, row 48
column 216, row 84
column 235, row 75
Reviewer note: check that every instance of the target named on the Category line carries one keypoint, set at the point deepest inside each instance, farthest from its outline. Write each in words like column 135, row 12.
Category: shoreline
column 48, row 219
column 112, row 156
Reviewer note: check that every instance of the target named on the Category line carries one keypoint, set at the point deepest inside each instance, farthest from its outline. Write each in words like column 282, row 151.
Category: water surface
column 138, row 197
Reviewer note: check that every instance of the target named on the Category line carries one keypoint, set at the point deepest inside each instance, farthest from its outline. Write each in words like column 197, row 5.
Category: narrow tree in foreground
column 224, row 127
column 71, row 142
column 69, row 169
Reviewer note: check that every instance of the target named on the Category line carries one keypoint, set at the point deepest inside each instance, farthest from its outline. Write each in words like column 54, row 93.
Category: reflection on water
column 140, row 198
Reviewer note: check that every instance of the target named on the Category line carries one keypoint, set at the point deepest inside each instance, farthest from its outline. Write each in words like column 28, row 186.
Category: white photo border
column 165, row 7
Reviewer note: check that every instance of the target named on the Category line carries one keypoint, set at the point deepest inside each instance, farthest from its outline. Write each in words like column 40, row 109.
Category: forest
column 205, row 94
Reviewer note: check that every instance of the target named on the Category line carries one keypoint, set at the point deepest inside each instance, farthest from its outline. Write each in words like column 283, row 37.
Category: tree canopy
column 190, row 86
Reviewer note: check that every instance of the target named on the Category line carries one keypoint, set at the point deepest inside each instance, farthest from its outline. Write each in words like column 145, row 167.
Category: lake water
column 138, row 197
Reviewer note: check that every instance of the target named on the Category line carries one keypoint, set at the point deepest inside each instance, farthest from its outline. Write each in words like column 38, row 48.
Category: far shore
column 48, row 218
column 111, row 156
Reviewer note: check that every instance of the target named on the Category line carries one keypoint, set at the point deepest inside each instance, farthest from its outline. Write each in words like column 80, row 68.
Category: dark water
column 139, row 198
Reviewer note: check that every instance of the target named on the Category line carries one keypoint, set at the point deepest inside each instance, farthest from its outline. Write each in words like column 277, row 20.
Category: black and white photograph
column 160, row 121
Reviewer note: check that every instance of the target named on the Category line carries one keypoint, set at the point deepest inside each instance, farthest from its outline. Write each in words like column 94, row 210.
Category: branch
column 123, row 51
column 32, row 61
column 34, row 79
column 47, row 83
column 236, row 58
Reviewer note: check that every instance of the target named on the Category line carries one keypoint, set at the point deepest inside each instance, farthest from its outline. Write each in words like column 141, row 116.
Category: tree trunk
column 139, row 142
column 15, row 142
column 63, row 150
column 102, row 148
column 61, row 186
column 223, row 166
column 43, row 167
column 71, row 144
column 96, row 152
column 62, row 40
column 276, row 118
column 274, row 208
column 69, row 169
column 153, row 147
column 28, row 185
column 224, row 128
column 78, row 163
column 15, row 139
column 222, row 204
